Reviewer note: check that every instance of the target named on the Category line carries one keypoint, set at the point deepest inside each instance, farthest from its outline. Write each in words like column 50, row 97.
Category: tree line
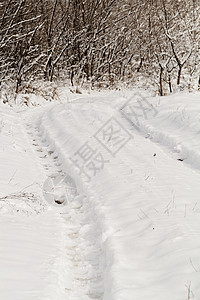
column 100, row 42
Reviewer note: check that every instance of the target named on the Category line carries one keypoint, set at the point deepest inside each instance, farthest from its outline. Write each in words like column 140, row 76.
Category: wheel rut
column 83, row 255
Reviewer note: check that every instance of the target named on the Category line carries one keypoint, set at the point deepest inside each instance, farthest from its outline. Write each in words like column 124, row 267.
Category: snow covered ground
column 99, row 198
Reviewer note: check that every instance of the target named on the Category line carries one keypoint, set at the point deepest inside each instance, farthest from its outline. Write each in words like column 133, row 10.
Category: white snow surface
column 132, row 230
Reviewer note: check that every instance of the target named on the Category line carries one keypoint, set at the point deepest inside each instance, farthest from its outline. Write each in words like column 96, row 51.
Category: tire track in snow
column 83, row 257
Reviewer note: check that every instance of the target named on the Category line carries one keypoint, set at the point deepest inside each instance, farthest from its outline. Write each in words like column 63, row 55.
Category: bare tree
column 100, row 41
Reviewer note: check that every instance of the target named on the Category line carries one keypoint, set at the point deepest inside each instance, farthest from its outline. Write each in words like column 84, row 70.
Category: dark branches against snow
column 100, row 42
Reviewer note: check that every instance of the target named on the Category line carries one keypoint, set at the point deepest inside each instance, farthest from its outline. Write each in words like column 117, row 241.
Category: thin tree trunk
column 161, row 81
column 170, row 83
column 179, row 74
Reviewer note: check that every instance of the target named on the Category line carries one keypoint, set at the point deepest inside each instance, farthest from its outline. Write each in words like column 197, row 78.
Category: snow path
column 83, row 254
column 30, row 236
column 146, row 201
column 177, row 127
column 133, row 230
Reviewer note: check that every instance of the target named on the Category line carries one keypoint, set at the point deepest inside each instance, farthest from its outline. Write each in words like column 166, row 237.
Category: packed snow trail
column 31, row 236
column 146, row 200
column 132, row 232
column 46, row 252
column 83, row 254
